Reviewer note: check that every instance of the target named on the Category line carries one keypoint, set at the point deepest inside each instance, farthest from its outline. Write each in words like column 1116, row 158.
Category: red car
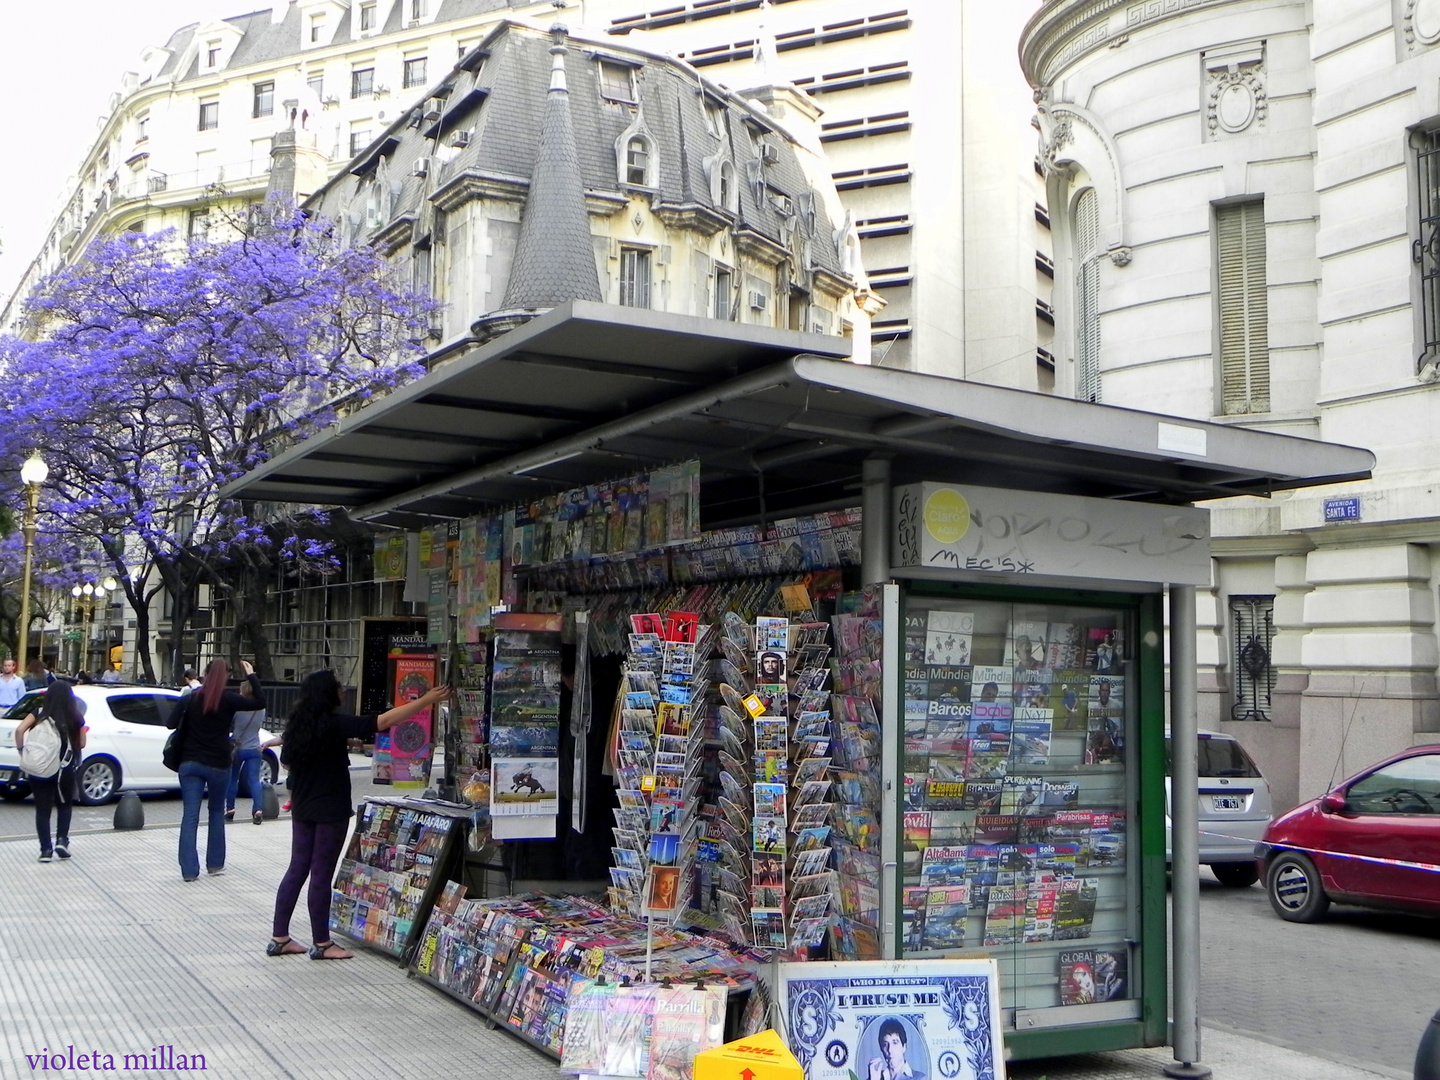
column 1374, row 840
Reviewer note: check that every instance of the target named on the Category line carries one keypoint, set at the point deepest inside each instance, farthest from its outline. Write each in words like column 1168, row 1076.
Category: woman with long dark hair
column 315, row 748
column 56, row 792
column 206, row 717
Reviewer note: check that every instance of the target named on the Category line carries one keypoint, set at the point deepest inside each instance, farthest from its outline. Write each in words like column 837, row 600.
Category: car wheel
column 1235, row 875
column 99, row 781
column 269, row 768
column 1293, row 885
column 15, row 792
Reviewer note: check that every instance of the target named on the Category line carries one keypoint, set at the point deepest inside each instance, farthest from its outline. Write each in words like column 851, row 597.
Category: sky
column 58, row 67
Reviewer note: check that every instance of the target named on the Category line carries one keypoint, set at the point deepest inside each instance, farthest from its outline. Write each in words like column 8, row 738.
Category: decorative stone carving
column 1235, row 97
column 1119, row 255
column 1055, row 134
column 1421, row 23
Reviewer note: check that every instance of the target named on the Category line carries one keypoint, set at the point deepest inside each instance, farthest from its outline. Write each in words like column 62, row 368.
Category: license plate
column 1227, row 802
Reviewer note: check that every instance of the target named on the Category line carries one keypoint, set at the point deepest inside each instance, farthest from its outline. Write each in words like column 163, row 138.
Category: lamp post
column 32, row 474
column 87, row 596
column 110, row 585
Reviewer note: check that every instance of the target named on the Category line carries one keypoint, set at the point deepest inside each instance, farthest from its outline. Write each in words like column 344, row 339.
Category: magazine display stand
column 400, row 856
column 857, row 863
column 1016, row 779
column 520, row 960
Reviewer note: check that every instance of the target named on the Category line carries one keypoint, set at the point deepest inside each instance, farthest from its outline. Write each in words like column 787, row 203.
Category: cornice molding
column 1062, row 31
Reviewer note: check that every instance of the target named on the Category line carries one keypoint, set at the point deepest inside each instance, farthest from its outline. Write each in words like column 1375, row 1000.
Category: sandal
column 229, row 815
column 329, row 951
column 257, row 817
column 288, row 947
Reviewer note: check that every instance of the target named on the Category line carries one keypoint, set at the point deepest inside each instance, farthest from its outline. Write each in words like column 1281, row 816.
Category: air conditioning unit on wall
column 758, row 301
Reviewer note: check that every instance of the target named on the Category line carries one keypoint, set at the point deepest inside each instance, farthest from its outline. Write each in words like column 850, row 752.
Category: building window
column 197, row 226
column 637, row 162
column 1426, row 253
column 316, row 83
column 724, row 294
column 212, row 54
column 317, row 28
column 414, row 72
column 264, row 99
column 1252, row 635
column 1085, row 241
column 729, row 193
column 1244, row 309
column 617, row 82
column 714, row 113
column 359, row 139
column 362, row 81
column 635, row 277
column 419, row 9
column 142, row 126
column 367, row 17
column 209, row 115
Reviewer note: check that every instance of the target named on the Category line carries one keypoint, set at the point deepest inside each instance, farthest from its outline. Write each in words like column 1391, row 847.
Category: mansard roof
column 498, row 94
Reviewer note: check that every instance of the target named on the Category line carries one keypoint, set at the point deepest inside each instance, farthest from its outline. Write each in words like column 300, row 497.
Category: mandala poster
column 411, row 742
column 894, row 1020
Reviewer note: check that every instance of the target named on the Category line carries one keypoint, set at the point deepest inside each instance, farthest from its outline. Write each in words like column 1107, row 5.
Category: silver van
column 1235, row 808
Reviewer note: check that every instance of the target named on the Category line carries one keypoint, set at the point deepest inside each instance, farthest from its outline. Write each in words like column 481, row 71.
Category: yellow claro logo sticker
column 947, row 515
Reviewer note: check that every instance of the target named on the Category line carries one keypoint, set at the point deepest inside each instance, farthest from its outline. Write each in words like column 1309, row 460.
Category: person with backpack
column 50, row 741
column 204, row 720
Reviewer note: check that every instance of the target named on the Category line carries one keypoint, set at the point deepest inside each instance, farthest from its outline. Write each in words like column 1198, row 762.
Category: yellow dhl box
column 759, row 1057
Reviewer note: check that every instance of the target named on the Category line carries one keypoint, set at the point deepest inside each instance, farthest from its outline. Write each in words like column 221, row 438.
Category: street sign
column 1346, row 509
column 759, row 1057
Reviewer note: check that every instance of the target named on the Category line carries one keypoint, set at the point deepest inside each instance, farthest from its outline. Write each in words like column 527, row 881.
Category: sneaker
column 46, row 856
column 62, row 849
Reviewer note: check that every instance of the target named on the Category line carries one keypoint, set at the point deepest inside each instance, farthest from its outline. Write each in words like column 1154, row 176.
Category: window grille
column 1426, row 249
column 209, row 115
column 414, row 72
column 1252, row 629
column 1086, row 237
column 264, row 99
column 1244, row 309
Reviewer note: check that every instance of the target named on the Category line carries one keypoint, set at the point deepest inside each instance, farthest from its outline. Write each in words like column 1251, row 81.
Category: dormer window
column 317, row 28
column 212, row 54
column 367, row 17
column 617, row 82
column 729, row 193
column 637, row 162
column 419, row 9
column 713, row 115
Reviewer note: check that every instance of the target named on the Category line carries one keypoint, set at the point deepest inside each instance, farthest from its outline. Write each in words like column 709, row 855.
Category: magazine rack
column 401, row 854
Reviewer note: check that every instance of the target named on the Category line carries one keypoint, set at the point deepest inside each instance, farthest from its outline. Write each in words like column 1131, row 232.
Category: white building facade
column 1245, row 197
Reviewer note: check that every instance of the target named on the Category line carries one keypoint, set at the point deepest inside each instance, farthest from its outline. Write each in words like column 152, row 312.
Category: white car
column 123, row 746
column 1235, row 808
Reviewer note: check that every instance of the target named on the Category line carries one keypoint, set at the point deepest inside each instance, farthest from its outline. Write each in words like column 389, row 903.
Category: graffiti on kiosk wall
column 1012, row 532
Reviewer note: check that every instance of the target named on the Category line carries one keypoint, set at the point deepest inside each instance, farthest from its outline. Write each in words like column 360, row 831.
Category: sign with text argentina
column 959, row 527
column 894, row 1019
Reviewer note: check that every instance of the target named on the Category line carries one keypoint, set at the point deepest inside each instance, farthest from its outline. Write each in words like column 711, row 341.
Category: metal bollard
column 269, row 802
column 1427, row 1055
column 129, row 812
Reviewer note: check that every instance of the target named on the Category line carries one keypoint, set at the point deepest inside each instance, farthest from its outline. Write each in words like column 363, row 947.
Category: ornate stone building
column 1245, row 198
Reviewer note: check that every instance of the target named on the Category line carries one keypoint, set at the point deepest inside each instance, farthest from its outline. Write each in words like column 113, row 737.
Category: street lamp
column 32, row 475
column 87, row 596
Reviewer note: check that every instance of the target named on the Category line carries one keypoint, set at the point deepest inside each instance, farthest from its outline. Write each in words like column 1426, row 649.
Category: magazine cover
column 948, row 637
column 946, row 910
column 939, row 1019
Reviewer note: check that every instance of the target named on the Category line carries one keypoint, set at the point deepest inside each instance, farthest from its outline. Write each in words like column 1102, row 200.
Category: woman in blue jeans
column 247, row 759
column 206, row 717
column 315, row 741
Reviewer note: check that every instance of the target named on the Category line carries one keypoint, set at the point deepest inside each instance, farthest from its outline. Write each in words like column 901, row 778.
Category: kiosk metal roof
column 780, row 422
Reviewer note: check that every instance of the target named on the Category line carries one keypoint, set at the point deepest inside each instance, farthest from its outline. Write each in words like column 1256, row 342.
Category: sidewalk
column 113, row 953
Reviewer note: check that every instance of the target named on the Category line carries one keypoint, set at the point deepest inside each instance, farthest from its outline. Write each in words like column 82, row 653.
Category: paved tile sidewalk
column 112, row 952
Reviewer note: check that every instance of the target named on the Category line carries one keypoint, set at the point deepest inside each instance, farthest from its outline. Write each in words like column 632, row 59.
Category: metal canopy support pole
column 1185, row 839
column 875, row 520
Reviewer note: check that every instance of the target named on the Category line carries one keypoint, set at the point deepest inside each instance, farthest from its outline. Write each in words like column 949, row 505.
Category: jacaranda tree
column 153, row 372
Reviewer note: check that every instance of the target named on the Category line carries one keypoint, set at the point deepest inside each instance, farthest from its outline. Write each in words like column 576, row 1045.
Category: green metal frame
column 1147, row 841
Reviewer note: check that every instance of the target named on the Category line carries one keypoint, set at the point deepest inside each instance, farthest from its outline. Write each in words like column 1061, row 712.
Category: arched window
column 1085, row 243
column 729, row 193
column 637, row 162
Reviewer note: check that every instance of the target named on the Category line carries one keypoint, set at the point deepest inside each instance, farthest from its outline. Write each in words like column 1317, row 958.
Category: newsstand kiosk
column 1007, row 650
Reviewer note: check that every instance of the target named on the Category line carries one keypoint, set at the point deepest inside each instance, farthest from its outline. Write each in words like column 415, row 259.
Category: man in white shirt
column 12, row 686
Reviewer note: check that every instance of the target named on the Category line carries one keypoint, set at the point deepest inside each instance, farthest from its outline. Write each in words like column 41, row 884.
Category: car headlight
column 1261, row 850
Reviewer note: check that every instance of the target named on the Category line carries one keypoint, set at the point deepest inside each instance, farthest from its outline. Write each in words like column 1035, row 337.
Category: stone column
column 1371, row 654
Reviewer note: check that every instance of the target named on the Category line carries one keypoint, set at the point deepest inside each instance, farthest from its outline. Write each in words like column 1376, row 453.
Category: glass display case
column 1020, row 786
